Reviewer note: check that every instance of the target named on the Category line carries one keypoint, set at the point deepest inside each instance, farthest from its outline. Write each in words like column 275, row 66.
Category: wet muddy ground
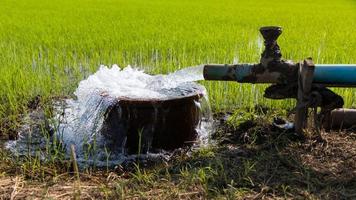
column 249, row 159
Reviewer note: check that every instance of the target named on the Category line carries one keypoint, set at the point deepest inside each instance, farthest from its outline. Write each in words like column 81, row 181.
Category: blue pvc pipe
column 335, row 74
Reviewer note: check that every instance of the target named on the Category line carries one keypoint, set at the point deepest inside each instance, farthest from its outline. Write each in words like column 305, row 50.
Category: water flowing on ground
column 78, row 121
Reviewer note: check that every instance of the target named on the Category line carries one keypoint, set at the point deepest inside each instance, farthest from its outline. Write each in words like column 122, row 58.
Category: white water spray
column 81, row 120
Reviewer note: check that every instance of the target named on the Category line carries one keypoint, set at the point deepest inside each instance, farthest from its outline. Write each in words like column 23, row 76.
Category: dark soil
column 252, row 160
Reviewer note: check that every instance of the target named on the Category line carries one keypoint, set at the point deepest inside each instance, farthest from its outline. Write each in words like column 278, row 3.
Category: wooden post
column 305, row 81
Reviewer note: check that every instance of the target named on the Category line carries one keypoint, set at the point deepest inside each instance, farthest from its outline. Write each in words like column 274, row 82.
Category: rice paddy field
column 47, row 47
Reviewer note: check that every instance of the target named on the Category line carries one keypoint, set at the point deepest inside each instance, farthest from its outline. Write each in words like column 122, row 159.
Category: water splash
column 189, row 74
column 81, row 120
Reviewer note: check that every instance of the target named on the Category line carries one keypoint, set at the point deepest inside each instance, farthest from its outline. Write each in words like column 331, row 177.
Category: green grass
column 247, row 162
column 47, row 47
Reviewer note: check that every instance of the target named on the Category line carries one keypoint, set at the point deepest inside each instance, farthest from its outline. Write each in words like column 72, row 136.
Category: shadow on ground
column 256, row 160
column 250, row 159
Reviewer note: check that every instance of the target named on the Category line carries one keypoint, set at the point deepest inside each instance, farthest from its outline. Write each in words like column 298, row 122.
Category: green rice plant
column 139, row 146
column 107, row 154
column 46, row 48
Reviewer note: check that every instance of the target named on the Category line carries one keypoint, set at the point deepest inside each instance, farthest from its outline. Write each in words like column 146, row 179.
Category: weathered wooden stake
column 305, row 81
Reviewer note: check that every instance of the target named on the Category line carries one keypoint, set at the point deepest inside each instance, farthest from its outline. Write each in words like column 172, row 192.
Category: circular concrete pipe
column 342, row 118
column 139, row 125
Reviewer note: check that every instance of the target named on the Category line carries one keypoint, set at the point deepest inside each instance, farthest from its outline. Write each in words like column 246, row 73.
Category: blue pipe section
column 242, row 71
column 335, row 74
column 227, row 72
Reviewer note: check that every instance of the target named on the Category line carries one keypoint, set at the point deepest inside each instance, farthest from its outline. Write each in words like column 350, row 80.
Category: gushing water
column 81, row 121
column 172, row 80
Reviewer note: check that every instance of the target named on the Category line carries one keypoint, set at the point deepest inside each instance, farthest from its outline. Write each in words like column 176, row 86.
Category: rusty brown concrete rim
column 196, row 94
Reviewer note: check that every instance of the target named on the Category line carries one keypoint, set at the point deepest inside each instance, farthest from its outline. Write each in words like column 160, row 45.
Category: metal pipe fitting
column 342, row 118
column 273, row 69
column 332, row 75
